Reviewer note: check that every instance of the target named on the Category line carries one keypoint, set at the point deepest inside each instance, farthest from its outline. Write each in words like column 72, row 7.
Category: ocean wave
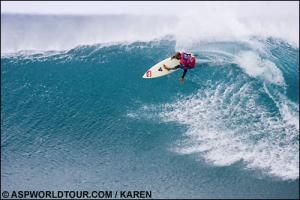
column 235, row 105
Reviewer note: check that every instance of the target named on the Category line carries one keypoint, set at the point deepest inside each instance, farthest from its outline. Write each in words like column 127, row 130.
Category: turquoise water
column 85, row 119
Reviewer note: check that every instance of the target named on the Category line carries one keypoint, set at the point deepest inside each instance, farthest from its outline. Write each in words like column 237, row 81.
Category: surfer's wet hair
column 177, row 55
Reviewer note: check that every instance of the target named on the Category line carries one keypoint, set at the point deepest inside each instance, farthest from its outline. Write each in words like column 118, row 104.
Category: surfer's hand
column 165, row 66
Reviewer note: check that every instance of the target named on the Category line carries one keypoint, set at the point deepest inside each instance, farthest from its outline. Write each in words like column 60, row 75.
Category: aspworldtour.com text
column 76, row 194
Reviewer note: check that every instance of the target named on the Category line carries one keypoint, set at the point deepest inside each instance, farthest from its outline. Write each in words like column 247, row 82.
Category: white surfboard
column 158, row 70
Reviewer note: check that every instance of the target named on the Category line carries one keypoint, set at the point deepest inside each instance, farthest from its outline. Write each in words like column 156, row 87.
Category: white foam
column 30, row 32
column 236, row 21
column 224, row 127
column 288, row 109
column 255, row 66
column 202, row 22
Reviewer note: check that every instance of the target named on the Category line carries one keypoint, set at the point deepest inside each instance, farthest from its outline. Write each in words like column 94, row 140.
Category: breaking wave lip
column 55, row 32
column 47, row 53
column 255, row 66
column 61, row 32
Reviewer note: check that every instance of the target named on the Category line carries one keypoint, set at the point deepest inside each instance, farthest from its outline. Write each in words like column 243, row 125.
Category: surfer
column 187, row 61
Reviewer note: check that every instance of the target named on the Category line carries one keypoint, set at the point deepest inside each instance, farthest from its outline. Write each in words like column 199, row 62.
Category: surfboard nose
column 148, row 74
column 145, row 75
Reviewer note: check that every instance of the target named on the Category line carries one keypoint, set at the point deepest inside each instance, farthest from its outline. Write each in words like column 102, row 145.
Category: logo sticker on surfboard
column 149, row 73
column 160, row 69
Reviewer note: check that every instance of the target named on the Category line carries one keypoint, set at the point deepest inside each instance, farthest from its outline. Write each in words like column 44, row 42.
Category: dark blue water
column 85, row 119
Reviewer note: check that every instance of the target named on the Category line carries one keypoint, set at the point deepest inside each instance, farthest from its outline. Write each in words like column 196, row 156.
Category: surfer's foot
column 165, row 66
column 181, row 80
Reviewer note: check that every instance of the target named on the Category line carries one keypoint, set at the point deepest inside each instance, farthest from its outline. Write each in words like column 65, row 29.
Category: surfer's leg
column 184, row 72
